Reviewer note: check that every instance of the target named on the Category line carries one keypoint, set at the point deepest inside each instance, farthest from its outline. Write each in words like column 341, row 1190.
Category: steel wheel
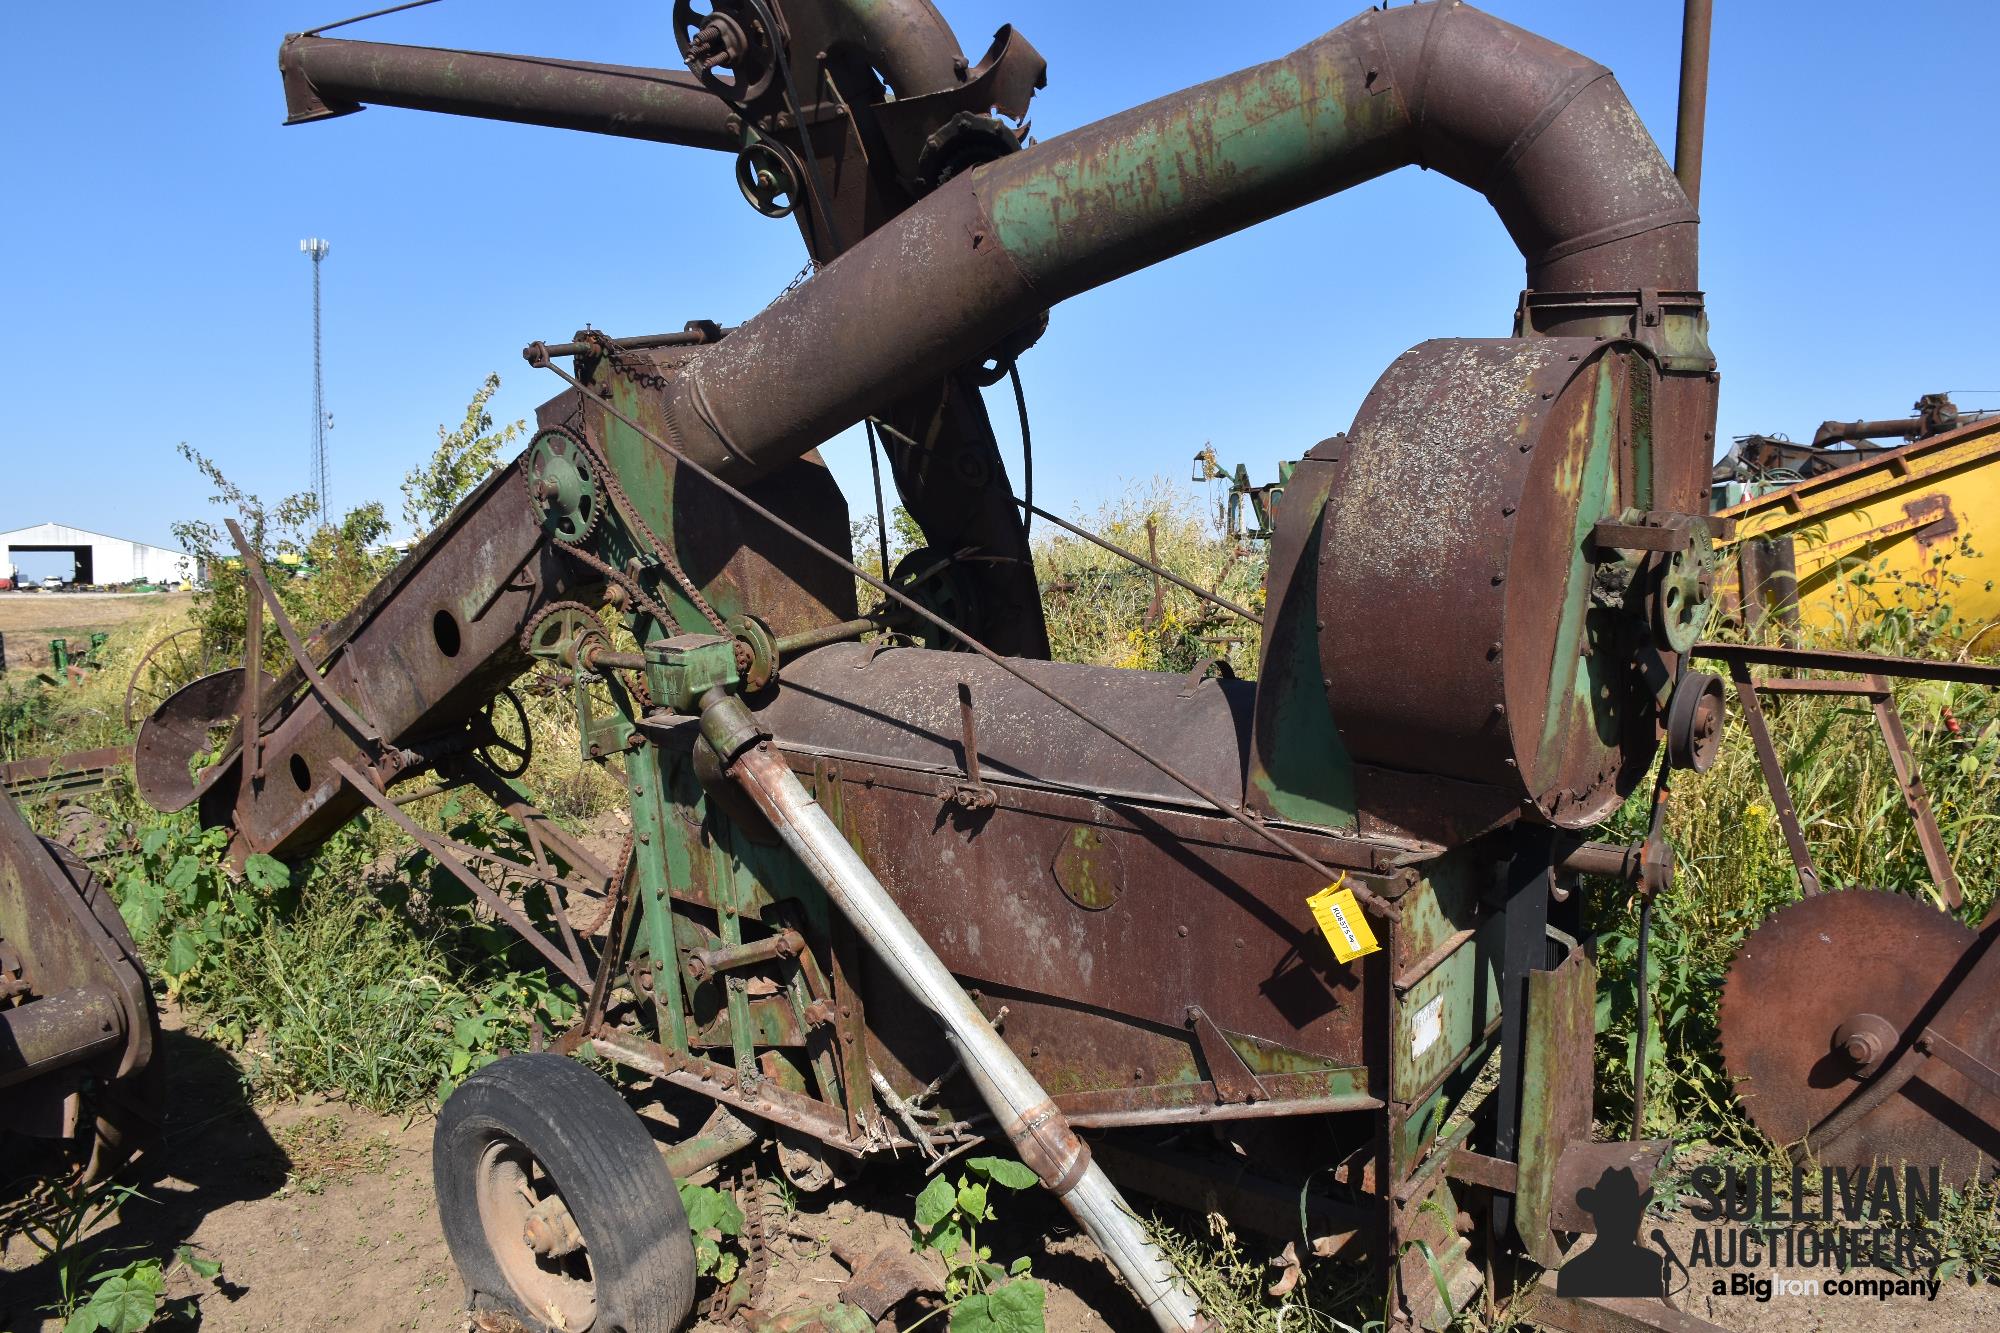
column 182, row 656
column 511, row 1186
column 556, row 1204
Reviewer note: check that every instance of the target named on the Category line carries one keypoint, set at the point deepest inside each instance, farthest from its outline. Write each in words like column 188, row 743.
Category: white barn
column 99, row 559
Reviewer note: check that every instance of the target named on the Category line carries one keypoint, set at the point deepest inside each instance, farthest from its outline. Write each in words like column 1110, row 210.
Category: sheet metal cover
column 901, row 708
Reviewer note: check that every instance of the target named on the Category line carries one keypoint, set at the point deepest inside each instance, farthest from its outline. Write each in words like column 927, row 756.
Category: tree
column 464, row 457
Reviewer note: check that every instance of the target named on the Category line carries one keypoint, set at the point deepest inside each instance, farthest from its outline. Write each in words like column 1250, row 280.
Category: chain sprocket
column 576, row 619
column 562, row 475
column 1820, row 999
column 607, row 477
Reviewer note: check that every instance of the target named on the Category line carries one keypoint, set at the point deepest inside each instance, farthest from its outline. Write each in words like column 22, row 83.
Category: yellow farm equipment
column 1916, row 527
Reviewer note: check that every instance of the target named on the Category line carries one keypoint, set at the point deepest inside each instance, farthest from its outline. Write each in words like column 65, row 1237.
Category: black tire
column 590, row 1146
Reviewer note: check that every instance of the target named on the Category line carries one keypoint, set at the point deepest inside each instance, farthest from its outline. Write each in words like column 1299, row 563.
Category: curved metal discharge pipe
column 334, row 76
column 1545, row 134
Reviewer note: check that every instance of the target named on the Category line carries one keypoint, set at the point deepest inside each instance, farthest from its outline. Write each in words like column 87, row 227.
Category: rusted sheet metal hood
column 901, row 708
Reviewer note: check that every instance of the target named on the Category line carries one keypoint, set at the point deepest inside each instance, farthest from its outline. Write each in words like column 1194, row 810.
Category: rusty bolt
column 1181, row 931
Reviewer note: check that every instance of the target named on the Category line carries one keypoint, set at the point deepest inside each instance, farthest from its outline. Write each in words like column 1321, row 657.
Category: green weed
column 980, row 1295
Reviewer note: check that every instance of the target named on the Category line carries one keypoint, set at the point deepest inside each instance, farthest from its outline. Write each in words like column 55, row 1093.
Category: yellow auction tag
column 1341, row 921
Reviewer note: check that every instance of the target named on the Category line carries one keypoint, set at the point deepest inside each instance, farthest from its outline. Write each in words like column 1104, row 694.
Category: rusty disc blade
column 1808, row 980
column 180, row 729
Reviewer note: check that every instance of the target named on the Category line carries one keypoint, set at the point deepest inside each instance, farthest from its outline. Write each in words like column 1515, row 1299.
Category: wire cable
column 1027, row 451
column 372, row 14
column 881, row 515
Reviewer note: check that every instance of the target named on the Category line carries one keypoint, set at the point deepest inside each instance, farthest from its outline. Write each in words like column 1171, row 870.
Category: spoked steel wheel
column 182, row 656
column 533, row 1238
column 556, row 1204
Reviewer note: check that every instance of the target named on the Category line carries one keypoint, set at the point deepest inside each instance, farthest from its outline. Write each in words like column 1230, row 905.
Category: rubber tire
column 599, row 1155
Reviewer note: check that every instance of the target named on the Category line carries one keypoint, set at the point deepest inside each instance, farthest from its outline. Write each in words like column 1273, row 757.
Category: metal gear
column 559, row 630
column 1824, row 995
column 561, row 476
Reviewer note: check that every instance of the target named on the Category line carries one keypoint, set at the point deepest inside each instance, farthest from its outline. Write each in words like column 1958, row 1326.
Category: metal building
column 99, row 559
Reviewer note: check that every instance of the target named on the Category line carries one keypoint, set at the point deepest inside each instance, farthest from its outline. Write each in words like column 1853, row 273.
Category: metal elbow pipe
column 1546, row 135
column 330, row 76
column 908, row 41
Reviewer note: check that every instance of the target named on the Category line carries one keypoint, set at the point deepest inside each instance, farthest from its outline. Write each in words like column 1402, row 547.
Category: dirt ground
column 30, row 619
column 322, row 1218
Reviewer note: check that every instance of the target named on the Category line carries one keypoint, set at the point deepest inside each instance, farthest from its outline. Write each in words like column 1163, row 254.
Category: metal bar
column 363, row 730
column 78, row 771
column 1944, row 1049
column 703, row 963
column 1373, row 900
column 57, row 1030
column 1428, row 964
column 1689, row 126
column 1784, row 685
column 1774, row 774
column 1864, row 664
column 719, row 1083
column 656, row 910
column 1524, row 948
column 505, row 910
column 807, row 640
column 250, row 739
column 613, row 953
column 1021, row 1106
column 1643, row 1027
column 508, row 797
column 1903, row 759
column 1972, row 980
column 600, row 346
column 724, row 1133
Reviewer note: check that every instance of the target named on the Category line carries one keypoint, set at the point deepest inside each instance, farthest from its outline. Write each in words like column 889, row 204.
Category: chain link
column 623, row 504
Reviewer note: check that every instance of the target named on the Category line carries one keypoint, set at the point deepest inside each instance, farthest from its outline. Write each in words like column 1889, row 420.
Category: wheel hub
column 1828, row 994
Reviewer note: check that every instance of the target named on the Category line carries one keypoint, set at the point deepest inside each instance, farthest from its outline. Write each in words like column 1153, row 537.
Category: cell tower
column 318, row 481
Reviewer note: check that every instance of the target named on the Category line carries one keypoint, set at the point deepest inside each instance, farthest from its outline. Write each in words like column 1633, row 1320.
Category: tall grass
column 1104, row 610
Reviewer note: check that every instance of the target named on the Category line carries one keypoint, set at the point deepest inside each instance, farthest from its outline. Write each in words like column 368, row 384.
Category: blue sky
column 152, row 290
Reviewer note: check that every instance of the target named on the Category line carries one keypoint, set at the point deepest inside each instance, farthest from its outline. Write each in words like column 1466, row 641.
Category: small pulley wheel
column 768, row 179
column 556, row 1204
column 730, row 45
column 562, row 485
column 1694, row 722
